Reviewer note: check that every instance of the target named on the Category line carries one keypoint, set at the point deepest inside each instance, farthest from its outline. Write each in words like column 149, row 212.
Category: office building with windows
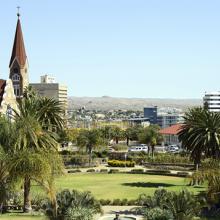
column 211, row 101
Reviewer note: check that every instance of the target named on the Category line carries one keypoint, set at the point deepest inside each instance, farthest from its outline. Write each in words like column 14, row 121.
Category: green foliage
column 160, row 158
column 74, row 205
column 113, row 171
column 119, row 163
column 120, row 147
column 200, row 133
column 90, row 170
column 158, row 214
column 137, row 171
column 74, row 171
column 182, row 205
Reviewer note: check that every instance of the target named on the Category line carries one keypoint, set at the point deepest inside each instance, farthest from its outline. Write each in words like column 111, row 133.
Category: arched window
column 16, row 78
column 17, row 90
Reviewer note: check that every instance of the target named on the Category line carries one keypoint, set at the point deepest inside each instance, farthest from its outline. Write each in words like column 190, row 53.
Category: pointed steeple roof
column 18, row 51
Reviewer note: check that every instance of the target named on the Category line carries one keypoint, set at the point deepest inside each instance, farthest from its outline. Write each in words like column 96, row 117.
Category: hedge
column 120, row 163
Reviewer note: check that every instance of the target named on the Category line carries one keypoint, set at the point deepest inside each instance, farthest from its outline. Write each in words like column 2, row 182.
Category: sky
column 118, row 48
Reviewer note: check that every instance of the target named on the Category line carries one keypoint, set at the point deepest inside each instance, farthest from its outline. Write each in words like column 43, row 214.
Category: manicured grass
column 119, row 186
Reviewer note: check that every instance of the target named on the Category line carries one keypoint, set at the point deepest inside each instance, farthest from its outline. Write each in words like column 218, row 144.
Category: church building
column 12, row 89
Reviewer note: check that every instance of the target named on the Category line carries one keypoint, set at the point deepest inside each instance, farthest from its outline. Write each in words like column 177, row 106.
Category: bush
column 137, row 171
column 103, row 170
column 90, row 171
column 119, row 163
column 74, row 171
column 158, row 214
column 105, row 201
column 116, row 202
column 132, row 202
column 114, row 171
column 183, row 174
column 158, row 172
column 79, row 159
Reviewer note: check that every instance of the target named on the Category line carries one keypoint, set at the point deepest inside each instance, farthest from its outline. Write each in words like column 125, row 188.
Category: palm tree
column 89, row 139
column 36, row 121
column 150, row 136
column 132, row 133
column 117, row 134
column 200, row 134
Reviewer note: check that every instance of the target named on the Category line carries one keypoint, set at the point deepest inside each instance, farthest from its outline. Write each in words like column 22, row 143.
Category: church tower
column 18, row 63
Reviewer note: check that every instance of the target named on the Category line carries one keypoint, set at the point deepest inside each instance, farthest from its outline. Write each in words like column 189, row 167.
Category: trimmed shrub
column 116, row 202
column 137, row 171
column 103, row 170
column 158, row 172
column 74, row 171
column 105, row 201
column 90, row 171
column 183, row 174
column 120, row 163
column 113, row 171
column 132, row 202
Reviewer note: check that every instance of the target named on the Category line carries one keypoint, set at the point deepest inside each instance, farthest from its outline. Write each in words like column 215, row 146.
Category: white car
column 139, row 148
column 173, row 148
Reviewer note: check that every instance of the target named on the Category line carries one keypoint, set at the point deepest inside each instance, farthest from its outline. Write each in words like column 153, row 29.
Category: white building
column 50, row 89
column 211, row 100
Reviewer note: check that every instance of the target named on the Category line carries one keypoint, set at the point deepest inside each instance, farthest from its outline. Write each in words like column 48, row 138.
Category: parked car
column 173, row 148
column 138, row 148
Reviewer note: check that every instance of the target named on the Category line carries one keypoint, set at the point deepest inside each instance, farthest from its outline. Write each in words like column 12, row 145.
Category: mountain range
column 112, row 103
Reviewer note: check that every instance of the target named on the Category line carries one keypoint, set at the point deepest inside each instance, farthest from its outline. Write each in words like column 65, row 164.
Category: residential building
column 170, row 134
column 211, row 100
column 49, row 88
column 151, row 114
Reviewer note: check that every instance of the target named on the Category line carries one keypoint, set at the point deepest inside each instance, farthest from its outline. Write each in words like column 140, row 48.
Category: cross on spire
column 18, row 13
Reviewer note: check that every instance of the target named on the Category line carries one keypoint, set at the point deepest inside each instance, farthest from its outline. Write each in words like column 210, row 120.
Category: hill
column 111, row 103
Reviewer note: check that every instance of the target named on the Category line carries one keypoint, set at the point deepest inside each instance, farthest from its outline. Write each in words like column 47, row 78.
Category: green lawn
column 119, row 186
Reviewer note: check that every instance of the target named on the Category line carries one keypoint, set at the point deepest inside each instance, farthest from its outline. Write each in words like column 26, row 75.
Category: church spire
column 18, row 51
column 18, row 63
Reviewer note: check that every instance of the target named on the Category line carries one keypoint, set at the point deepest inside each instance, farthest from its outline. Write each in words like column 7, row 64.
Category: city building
column 49, row 88
column 151, row 114
column 168, row 119
column 170, row 134
column 211, row 101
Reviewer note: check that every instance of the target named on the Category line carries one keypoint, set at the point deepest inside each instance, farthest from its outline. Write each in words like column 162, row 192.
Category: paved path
column 122, row 210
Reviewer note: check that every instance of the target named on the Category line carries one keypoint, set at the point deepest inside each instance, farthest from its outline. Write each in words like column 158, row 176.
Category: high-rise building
column 18, row 63
column 151, row 114
column 49, row 88
column 211, row 101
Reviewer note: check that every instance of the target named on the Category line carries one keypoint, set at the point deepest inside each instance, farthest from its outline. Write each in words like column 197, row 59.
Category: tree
column 34, row 128
column 117, row 134
column 150, row 136
column 89, row 139
column 200, row 134
column 132, row 133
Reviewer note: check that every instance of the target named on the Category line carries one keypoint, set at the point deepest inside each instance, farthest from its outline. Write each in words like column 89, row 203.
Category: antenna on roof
column 18, row 13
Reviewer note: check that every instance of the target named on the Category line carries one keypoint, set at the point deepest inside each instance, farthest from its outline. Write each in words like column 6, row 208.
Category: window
column 17, row 90
column 15, row 70
column 16, row 78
